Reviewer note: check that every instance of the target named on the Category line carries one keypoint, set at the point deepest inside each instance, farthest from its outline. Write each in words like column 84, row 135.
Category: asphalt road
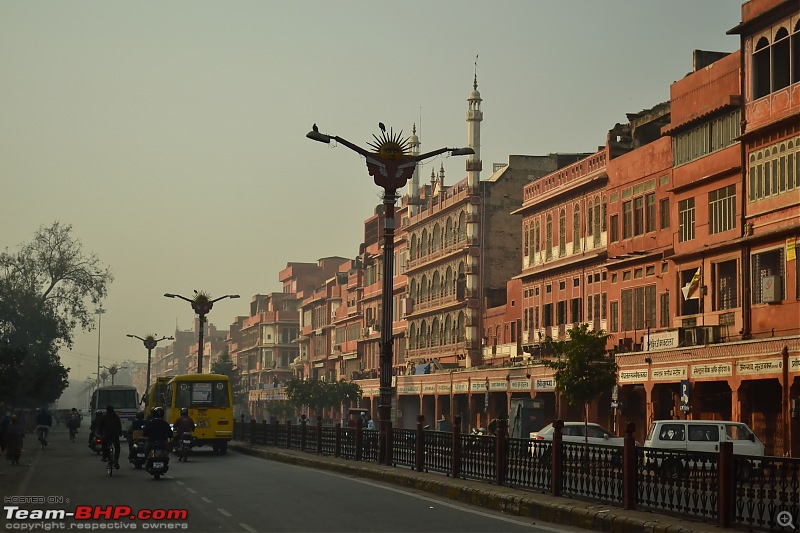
column 232, row 493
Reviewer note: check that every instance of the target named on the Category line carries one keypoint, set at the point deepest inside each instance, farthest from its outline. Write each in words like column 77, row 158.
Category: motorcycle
column 138, row 456
column 96, row 443
column 157, row 462
column 185, row 446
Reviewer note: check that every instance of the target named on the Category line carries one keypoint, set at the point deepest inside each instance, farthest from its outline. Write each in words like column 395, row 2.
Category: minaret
column 474, row 257
column 413, row 190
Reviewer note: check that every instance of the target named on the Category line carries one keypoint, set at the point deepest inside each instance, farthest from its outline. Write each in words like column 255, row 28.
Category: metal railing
column 760, row 493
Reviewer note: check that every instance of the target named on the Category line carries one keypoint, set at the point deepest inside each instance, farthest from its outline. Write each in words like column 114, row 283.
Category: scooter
column 138, row 456
column 157, row 462
column 185, row 446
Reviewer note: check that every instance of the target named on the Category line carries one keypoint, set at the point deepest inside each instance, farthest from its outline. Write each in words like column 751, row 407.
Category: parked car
column 699, row 436
column 574, row 432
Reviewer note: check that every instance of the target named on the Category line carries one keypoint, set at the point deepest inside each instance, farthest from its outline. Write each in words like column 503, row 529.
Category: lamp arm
column 352, row 146
column 426, row 155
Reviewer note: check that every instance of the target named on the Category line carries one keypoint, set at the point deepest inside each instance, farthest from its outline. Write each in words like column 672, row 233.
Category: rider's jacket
column 184, row 424
column 157, row 430
column 44, row 419
column 110, row 426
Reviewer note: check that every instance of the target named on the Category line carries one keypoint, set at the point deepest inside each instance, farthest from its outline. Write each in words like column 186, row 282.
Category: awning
column 423, row 369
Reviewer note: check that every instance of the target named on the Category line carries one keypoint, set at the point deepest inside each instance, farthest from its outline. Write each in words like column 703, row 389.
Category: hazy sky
column 171, row 135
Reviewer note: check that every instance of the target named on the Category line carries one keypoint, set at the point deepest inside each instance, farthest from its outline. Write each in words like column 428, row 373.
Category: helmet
column 157, row 412
column 140, row 415
column 184, row 412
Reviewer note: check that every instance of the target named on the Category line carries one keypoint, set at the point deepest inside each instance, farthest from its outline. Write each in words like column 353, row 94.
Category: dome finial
column 475, row 83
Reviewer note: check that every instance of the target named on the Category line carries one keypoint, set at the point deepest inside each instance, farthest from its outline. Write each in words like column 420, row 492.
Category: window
column 614, row 316
column 575, row 310
column 562, row 233
column 638, row 308
column 716, row 134
column 627, row 310
column 627, row 220
column 665, row 318
column 614, row 222
column 547, row 315
column 597, row 221
column 672, row 432
column 549, row 237
column 537, row 236
column 638, row 216
column 650, row 212
column 650, row 306
column 589, row 307
column 686, row 220
column 704, row 432
column 726, row 285
column 576, row 228
column 663, row 207
column 766, row 264
column 561, row 312
column 773, row 62
column 722, row 209
column 775, row 169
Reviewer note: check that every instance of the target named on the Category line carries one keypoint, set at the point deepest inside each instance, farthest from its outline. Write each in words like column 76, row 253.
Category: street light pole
column 150, row 343
column 391, row 167
column 202, row 304
column 99, row 312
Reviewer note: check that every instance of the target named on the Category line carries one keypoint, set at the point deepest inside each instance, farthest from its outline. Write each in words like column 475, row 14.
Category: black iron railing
column 760, row 493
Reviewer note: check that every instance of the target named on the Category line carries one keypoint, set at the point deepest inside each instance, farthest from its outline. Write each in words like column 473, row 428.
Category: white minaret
column 413, row 190
column 473, row 274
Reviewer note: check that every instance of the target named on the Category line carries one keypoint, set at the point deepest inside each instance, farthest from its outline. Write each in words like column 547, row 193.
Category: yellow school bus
column 156, row 395
column 210, row 402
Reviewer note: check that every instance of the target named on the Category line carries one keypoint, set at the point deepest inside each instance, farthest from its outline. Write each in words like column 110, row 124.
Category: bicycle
column 111, row 454
column 43, row 432
column 72, row 432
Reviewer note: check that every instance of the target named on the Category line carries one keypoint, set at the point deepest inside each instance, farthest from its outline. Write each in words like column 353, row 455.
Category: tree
column 44, row 288
column 583, row 368
column 224, row 365
column 317, row 394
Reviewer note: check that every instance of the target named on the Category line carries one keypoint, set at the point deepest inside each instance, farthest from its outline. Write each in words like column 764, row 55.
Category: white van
column 699, row 436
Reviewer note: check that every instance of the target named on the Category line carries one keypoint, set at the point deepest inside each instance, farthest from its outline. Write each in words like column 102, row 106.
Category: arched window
column 448, row 327
column 423, row 335
column 424, row 294
column 414, row 252
column 462, row 227
column 460, row 328
column 424, row 244
column 437, row 285
column 576, row 228
column 412, row 337
column 780, row 60
column 761, row 70
column 436, row 238
column 436, row 337
column 449, row 238
column 562, row 232
column 448, row 282
column 549, row 237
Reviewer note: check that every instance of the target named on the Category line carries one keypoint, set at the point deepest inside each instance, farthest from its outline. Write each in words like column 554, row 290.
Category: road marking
column 179, row 482
column 226, row 513
column 191, row 490
column 445, row 504
column 248, row 528
column 205, row 499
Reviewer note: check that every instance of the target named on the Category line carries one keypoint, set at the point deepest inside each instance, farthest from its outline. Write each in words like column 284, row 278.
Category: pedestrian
column 370, row 423
column 443, row 424
column 14, row 436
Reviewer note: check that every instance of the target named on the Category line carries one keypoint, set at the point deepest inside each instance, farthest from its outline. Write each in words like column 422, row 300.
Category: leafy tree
column 583, row 368
column 224, row 365
column 317, row 394
column 44, row 288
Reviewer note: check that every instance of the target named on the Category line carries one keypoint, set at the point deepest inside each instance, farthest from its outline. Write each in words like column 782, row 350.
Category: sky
column 171, row 135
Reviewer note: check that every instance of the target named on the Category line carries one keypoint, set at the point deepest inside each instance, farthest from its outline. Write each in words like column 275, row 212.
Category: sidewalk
column 539, row 507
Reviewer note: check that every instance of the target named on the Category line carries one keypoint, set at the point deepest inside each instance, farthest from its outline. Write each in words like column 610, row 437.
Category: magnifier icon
column 784, row 519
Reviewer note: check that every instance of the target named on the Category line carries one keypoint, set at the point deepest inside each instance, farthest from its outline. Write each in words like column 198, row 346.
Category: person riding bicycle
column 157, row 430
column 43, row 423
column 98, row 416
column 184, row 424
column 110, row 428
column 73, row 422
column 135, row 431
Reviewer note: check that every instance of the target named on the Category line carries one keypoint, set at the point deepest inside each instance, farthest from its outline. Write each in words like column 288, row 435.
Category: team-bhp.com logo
column 86, row 516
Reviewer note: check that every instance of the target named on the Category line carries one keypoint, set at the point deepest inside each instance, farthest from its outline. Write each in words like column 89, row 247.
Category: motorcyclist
column 43, row 423
column 157, row 430
column 184, row 424
column 98, row 416
column 110, row 428
column 135, row 431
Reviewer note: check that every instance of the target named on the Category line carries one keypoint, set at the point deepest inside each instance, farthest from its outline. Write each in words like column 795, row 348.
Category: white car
column 574, row 432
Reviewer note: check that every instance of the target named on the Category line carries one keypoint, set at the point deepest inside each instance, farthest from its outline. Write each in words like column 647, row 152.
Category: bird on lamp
column 382, row 127
column 315, row 128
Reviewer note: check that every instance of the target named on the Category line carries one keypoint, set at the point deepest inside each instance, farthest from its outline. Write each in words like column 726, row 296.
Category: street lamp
column 150, row 343
column 202, row 304
column 391, row 165
column 113, row 369
column 99, row 312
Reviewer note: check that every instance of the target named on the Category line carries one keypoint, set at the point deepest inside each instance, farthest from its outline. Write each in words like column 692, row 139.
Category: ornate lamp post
column 202, row 304
column 390, row 166
column 150, row 343
column 112, row 371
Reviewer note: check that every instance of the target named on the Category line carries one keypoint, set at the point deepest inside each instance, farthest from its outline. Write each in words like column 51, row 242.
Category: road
column 233, row 493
